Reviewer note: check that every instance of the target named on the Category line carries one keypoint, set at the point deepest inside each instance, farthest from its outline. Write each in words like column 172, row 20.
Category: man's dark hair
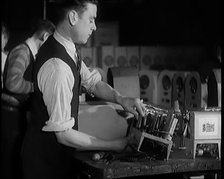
column 61, row 7
column 43, row 26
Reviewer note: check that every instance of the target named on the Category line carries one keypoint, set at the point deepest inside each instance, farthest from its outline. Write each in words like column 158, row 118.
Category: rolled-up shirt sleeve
column 89, row 78
column 55, row 81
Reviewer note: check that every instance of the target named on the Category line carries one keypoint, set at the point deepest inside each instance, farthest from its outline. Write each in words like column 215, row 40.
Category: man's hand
column 134, row 106
column 9, row 99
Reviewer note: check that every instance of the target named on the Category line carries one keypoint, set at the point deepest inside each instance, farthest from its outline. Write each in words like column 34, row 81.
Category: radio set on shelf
column 204, row 139
column 154, row 131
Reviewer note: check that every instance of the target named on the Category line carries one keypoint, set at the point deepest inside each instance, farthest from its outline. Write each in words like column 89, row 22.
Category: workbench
column 176, row 164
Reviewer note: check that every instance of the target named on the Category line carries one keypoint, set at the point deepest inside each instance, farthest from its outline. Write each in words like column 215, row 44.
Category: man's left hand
column 134, row 106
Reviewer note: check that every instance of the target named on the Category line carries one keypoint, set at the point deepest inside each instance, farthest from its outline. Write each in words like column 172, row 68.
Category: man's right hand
column 10, row 99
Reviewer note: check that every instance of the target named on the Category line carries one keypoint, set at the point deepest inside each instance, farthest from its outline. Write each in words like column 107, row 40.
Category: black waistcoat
column 53, row 49
column 43, row 157
column 28, row 74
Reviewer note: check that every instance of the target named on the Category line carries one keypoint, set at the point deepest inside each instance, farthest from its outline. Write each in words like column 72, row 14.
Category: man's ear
column 45, row 36
column 73, row 17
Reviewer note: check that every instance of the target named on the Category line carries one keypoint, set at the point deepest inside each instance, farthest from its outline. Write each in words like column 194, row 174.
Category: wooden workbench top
column 119, row 168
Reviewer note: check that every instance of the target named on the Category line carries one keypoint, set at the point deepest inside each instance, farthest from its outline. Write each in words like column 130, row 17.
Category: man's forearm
column 18, row 85
column 106, row 92
column 132, row 105
column 82, row 141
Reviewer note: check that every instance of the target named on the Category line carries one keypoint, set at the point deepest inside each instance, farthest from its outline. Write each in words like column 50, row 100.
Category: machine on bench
column 154, row 131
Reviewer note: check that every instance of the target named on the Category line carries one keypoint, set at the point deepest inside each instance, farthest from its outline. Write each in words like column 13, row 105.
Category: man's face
column 85, row 24
column 4, row 40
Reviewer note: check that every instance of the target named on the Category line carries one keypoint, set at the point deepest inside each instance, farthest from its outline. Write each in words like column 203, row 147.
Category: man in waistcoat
column 17, row 77
column 58, row 74
column 16, row 95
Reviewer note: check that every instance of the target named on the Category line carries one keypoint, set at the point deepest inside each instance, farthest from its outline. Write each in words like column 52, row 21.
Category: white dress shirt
column 56, row 80
column 30, row 42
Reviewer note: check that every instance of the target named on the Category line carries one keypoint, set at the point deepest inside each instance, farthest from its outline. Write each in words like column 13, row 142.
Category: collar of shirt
column 32, row 46
column 69, row 46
